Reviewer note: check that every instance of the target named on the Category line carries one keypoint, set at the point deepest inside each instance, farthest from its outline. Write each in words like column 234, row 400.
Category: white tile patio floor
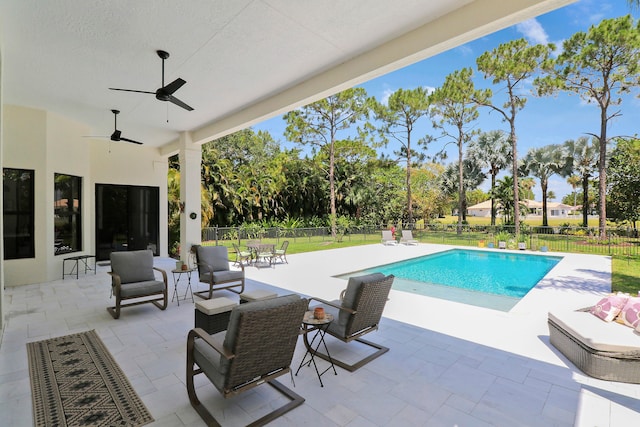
column 450, row 364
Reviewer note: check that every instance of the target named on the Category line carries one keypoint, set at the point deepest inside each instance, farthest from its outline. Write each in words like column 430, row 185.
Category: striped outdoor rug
column 76, row 382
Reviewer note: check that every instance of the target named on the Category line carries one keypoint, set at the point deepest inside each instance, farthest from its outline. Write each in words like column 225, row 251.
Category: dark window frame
column 67, row 218
column 18, row 213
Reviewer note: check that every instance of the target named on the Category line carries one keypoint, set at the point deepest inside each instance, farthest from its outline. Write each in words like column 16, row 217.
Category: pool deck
column 520, row 334
column 449, row 363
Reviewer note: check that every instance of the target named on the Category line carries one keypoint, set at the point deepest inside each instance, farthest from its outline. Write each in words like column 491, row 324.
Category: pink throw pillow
column 609, row 307
column 630, row 313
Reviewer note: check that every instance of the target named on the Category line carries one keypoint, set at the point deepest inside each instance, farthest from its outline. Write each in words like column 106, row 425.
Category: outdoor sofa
column 607, row 350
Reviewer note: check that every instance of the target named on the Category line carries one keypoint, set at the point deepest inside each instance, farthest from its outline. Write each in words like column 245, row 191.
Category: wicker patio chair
column 213, row 269
column 356, row 313
column 133, row 278
column 256, row 348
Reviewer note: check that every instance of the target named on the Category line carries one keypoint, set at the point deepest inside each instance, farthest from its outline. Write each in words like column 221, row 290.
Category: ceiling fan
column 117, row 135
column 164, row 93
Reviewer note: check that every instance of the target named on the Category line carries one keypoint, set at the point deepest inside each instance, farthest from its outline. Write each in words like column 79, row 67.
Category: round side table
column 177, row 274
column 310, row 324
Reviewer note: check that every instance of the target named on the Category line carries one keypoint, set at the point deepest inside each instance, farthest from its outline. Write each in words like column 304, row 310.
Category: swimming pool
column 491, row 279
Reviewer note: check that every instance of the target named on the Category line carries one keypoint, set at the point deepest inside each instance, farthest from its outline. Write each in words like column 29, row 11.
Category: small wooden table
column 75, row 261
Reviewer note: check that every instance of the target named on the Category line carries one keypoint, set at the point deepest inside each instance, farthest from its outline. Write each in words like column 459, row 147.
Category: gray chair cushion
column 133, row 266
column 210, row 360
column 335, row 327
column 215, row 257
column 222, row 276
column 129, row 290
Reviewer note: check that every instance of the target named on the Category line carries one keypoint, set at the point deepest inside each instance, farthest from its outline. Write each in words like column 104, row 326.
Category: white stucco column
column 190, row 157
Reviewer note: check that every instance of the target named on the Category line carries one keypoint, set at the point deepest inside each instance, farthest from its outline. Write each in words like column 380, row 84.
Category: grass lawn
column 625, row 274
column 575, row 220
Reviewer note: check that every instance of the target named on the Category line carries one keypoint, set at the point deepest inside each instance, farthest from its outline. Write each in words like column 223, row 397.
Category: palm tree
column 491, row 150
column 473, row 177
column 543, row 162
column 526, row 185
column 582, row 158
column 573, row 181
column 504, row 195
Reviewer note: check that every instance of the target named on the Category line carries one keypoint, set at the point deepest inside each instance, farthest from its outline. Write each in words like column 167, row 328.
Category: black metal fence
column 240, row 234
column 619, row 241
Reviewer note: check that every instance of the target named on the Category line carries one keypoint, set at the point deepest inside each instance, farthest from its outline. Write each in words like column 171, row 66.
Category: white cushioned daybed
column 607, row 350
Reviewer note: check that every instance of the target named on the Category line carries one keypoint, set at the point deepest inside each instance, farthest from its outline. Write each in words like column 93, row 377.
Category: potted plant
column 502, row 238
column 522, row 242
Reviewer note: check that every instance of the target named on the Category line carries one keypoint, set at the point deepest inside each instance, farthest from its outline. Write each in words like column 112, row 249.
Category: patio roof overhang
column 244, row 61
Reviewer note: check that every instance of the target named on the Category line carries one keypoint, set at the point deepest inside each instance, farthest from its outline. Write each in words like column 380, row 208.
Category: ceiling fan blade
column 173, row 86
column 130, row 140
column 131, row 90
column 179, row 103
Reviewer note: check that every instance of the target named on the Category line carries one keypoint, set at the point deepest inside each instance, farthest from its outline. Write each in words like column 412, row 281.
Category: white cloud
column 465, row 50
column 533, row 31
column 385, row 96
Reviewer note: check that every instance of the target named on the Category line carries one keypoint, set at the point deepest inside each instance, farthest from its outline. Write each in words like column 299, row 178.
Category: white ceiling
column 243, row 60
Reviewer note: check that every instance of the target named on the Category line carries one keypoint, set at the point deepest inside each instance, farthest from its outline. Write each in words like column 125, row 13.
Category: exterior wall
column 479, row 212
column 2, row 304
column 49, row 144
column 24, row 147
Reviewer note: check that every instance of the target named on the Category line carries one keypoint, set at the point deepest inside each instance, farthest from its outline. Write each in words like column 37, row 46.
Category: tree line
column 334, row 176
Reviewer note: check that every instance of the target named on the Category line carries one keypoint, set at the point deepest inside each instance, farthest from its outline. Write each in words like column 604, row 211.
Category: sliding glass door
column 126, row 219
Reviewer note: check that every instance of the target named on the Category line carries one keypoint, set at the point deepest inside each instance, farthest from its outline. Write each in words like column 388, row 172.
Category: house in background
column 534, row 208
column 554, row 209
column 482, row 209
column 243, row 62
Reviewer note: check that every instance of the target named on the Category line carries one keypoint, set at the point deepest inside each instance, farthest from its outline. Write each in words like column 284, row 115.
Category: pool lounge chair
column 407, row 238
column 604, row 350
column 387, row 238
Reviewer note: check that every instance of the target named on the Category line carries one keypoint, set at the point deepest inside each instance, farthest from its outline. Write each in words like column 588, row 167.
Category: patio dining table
column 259, row 250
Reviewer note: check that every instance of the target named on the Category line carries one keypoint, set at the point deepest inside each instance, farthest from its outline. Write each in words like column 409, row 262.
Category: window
column 18, row 213
column 67, row 210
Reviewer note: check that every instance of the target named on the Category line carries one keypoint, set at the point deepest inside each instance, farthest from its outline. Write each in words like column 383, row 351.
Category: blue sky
column 543, row 121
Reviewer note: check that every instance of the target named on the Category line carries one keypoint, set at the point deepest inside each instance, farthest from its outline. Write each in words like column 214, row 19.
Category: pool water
column 490, row 279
